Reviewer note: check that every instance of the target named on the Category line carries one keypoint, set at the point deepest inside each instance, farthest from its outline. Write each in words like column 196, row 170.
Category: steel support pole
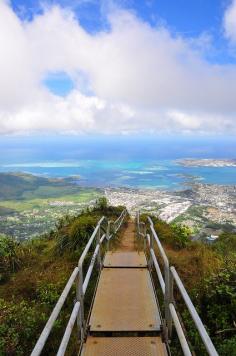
column 150, row 261
column 81, row 320
column 180, row 333
column 168, row 320
column 99, row 259
column 145, row 242
column 108, row 235
column 138, row 226
column 170, row 300
column 144, row 236
column 78, row 318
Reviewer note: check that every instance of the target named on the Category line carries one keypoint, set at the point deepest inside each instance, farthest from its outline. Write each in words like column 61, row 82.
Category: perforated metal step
column 125, row 301
column 124, row 346
column 125, row 259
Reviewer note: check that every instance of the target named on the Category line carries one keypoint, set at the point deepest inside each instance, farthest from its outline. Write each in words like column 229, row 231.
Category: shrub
column 48, row 293
column 19, row 327
column 174, row 234
column 76, row 235
column 103, row 208
column 216, row 304
column 226, row 244
column 218, row 300
column 227, row 347
column 102, row 204
column 182, row 234
column 9, row 256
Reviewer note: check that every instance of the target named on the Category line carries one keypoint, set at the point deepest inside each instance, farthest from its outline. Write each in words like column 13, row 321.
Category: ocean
column 134, row 162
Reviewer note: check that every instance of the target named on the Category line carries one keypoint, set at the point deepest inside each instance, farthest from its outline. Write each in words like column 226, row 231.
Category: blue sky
column 190, row 18
column 183, row 17
column 118, row 66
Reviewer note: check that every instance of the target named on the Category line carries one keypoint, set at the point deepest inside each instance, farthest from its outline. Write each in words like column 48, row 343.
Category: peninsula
column 207, row 162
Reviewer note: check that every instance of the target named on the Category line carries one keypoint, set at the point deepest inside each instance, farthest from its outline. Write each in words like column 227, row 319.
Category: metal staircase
column 125, row 317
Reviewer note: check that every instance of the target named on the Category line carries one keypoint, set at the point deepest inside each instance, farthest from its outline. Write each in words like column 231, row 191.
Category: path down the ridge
column 125, row 318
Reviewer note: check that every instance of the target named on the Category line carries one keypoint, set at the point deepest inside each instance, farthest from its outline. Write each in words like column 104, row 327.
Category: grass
column 208, row 274
column 194, row 258
column 15, row 186
column 21, row 205
column 28, row 298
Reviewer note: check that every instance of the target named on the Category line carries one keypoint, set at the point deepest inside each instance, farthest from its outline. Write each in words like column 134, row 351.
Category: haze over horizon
column 118, row 67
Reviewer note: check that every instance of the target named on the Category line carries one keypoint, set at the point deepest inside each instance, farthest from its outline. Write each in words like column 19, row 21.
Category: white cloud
column 230, row 22
column 142, row 78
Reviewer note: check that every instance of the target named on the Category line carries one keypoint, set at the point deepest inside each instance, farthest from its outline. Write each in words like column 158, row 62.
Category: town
column 31, row 223
column 206, row 208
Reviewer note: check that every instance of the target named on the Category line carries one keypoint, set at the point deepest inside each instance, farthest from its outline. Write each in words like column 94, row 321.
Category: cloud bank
column 131, row 78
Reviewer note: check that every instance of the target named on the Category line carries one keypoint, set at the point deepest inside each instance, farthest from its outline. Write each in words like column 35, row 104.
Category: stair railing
column 81, row 284
column 167, row 284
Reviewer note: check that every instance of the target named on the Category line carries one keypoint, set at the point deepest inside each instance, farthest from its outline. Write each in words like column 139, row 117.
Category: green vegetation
column 31, row 205
column 209, row 274
column 15, row 186
column 175, row 234
column 34, row 274
column 76, row 233
column 10, row 257
column 226, row 244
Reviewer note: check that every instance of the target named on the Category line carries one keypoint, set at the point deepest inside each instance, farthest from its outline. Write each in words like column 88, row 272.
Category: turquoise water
column 162, row 174
column 119, row 161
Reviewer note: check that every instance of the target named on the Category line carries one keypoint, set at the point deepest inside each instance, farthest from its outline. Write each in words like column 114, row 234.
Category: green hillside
column 33, row 274
column 21, row 186
column 31, row 205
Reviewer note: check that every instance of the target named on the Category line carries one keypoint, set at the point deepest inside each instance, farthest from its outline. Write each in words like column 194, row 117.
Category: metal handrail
column 87, row 247
column 179, row 330
column 167, row 288
column 62, row 348
column 164, row 283
column 197, row 321
column 159, row 245
column 48, row 327
column 156, row 265
column 83, row 283
column 90, row 269
column 81, row 287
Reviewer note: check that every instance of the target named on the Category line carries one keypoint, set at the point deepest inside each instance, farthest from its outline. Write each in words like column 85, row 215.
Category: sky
column 90, row 67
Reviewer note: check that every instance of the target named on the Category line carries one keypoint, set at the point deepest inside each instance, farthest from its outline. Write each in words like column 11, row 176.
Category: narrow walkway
column 125, row 319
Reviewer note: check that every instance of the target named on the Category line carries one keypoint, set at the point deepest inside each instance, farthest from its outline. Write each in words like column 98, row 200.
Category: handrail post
column 150, row 262
column 143, row 228
column 80, row 298
column 170, row 300
column 137, row 221
column 167, row 300
column 99, row 259
column 145, row 240
column 108, row 234
column 143, row 234
column 78, row 319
